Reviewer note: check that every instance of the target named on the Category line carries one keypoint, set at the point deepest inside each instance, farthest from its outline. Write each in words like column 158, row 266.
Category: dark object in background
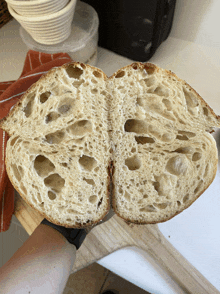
column 133, row 28
column 5, row 16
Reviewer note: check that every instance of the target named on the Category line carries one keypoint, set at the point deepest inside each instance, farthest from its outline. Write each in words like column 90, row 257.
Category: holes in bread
column 196, row 156
column 190, row 97
column 88, row 163
column 29, row 106
column 44, row 97
column 51, row 195
column 80, row 128
column 74, row 71
column 12, row 143
column 199, row 187
column 184, row 136
column 177, row 165
column 43, row 165
column 100, row 202
column 185, row 198
column 133, row 163
column 144, row 140
column 161, row 91
column 55, row 182
column 168, row 137
column 55, row 138
column 18, row 171
column 135, row 126
column 150, row 69
column 168, row 104
column 65, row 105
column 89, row 181
column 185, row 150
column 97, row 74
column 178, row 203
column 94, row 91
column 161, row 205
column 120, row 74
column 148, row 208
column 150, row 81
column 93, row 199
column 205, row 111
column 77, row 83
column 52, row 116
column 127, row 196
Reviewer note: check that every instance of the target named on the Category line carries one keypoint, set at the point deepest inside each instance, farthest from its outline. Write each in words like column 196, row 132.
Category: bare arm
column 42, row 265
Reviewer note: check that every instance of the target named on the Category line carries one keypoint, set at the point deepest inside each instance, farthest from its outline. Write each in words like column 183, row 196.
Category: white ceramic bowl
column 48, row 29
column 37, row 7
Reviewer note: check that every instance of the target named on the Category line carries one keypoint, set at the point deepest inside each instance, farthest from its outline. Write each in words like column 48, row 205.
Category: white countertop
column 194, row 232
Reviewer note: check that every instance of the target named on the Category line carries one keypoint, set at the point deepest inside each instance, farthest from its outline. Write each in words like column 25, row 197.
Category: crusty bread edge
column 41, row 79
column 133, row 221
column 150, row 68
column 79, row 226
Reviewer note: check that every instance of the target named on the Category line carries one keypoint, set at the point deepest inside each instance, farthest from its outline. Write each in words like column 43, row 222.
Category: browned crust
column 150, row 68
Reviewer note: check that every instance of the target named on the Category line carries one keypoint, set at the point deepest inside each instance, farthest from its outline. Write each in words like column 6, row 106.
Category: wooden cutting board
column 116, row 234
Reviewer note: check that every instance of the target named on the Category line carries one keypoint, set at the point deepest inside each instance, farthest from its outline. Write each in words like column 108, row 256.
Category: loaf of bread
column 138, row 141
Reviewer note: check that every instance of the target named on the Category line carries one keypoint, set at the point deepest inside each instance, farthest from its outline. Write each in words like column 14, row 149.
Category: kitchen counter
column 191, row 238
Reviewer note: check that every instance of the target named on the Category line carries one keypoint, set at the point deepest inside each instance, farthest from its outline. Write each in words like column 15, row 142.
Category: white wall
column 197, row 21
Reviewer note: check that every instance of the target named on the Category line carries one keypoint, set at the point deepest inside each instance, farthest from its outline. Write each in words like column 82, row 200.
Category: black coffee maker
column 133, row 28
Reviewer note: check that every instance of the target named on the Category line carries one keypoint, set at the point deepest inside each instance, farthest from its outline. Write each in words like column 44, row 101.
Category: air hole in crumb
column 13, row 141
column 51, row 195
column 150, row 81
column 177, row 165
column 80, row 128
column 77, row 83
column 120, row 74
column 88, row 163
column 144, row 140
column 133, row 163
column 205, row 111
column 127, row 196
column 44, row 97
column 167, row 103
column 94, row 91
column 148, row 208
column 196, row 156
column 185, row 198
column 89, row 181
column 136, row 126
column 74, row 71
column 161, row 91
column 65, row 105
column 161, row 205
column 52, row 116
column 16, row 172
column 55, row 138
column 43, row 165
column 184, row 150
column 198, row 188
column 97, row 74
column 29, row 106
column 93, row 199
column 55, row 182
column 100, row 202
column 178, row 203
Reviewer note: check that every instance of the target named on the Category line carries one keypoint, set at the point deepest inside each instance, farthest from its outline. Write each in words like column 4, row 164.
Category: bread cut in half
column 138, row 141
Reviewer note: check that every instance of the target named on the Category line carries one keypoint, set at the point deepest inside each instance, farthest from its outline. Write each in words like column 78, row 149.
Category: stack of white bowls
column 47, row 21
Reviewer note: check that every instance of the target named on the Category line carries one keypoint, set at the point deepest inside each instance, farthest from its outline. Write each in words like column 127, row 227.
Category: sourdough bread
column 139, row 140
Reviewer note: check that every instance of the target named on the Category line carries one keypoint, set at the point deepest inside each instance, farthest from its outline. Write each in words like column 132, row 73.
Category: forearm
column 42, row 265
